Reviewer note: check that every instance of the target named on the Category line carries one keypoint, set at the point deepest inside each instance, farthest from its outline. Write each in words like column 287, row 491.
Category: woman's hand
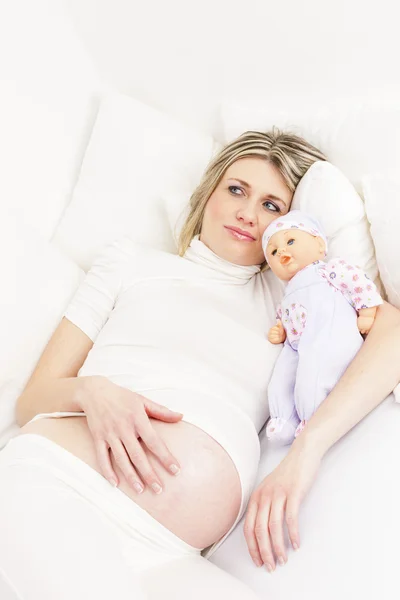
column 277, row 500
column 117, row 417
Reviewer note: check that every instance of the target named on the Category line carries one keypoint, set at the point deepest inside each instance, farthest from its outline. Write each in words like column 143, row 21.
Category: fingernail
column 157, row 488
column 281, row 561
column 257, row 562
column 269, row 568
column 138, row 487
column 113, row 482
column 295, row 546
column 174, row 469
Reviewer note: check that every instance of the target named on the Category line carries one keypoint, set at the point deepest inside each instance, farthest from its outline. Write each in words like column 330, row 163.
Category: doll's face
column 291, row 250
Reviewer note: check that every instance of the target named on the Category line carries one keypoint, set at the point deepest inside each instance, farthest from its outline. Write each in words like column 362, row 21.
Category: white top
column 188, row 332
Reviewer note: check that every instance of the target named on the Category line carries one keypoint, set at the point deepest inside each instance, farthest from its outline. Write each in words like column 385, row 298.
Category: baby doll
column 325, row 309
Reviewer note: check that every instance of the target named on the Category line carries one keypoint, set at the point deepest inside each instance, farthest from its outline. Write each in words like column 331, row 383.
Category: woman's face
column 250, row 195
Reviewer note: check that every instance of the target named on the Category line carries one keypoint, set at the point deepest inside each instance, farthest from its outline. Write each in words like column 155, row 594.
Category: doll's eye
column 273, row 252
column 290, row 242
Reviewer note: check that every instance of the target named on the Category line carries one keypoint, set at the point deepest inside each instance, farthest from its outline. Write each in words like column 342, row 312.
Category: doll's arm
column 355, row 286
column 277, row 334
column 366, row 318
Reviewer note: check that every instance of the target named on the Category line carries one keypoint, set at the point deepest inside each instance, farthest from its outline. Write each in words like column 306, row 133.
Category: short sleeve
column 95, row 297
column 355, row 285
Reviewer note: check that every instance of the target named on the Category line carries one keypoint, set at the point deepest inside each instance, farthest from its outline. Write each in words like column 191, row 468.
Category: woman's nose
column 247, row 214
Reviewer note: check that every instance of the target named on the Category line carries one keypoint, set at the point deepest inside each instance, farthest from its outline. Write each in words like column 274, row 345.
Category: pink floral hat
column 294, row 219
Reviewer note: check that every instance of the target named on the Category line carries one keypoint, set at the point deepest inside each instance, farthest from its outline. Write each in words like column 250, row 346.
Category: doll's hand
column 366, row 318
column 277, row 334
column 364, row 324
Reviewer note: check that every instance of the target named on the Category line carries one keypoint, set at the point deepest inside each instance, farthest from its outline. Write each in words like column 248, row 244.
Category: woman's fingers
column 116, row 420
column 250, row 534
column 156, row 445
column 277, row 500
column 104, row 459
column 124, row 463
column 264, row 526
column 292, row 521
column 276, row 516
column 262, row 533
column 138, row 458
column 158, row 411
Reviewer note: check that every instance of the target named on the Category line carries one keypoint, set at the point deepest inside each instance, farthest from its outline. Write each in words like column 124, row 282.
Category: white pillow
column 37, row 284
column 10, row 390
column 176, row 201
column 382, row 203
column 135, row 155
column 325, row 193
column 348, row 131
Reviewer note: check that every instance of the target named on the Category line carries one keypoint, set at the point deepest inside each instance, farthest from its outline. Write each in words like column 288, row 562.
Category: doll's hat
column 294, row 219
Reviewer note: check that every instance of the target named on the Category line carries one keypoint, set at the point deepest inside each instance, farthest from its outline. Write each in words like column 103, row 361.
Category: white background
column 58, row 56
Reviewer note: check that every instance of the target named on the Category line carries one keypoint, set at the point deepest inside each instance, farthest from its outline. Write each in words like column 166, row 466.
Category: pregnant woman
column 159, row 370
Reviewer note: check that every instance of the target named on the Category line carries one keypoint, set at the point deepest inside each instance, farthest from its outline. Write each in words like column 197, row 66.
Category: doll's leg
column 324, row 354
column 284, row 418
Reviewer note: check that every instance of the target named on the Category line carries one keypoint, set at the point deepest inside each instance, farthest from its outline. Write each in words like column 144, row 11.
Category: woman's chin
column 235, row 252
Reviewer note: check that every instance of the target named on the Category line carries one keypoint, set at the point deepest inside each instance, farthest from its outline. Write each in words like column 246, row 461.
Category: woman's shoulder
column 139, row 259
column 127, row 249
column 126, row 259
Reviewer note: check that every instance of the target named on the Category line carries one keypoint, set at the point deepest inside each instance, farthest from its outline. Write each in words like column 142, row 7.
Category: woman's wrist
column 88, row 388
column 311, row 441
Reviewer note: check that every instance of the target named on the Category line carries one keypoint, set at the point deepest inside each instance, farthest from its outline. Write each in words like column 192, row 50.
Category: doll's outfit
column 318, row 313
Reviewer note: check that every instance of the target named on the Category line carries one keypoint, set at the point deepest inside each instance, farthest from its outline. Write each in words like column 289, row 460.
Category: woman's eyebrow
column 248, row 186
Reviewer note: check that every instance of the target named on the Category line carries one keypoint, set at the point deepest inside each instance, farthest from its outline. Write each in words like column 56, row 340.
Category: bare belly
column 199, row 505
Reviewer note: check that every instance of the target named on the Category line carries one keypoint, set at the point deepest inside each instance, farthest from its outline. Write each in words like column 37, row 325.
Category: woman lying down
column 160, row 368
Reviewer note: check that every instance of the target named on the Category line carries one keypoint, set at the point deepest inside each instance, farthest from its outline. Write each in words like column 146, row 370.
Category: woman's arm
column 53, row 386
column 369, row 379
column 116, row 417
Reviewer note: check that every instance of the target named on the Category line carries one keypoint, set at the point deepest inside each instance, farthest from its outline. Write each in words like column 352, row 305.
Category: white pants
column 65, row 533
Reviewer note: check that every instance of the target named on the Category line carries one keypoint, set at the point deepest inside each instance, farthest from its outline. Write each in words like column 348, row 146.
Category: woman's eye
column 290, row 242
column 234, row 187
column 271, row 206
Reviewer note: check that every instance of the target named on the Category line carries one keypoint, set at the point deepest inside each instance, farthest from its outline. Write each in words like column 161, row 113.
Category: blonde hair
column 290, row 154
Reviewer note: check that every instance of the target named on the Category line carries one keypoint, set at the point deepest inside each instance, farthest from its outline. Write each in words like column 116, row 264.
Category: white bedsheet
column 349, row 522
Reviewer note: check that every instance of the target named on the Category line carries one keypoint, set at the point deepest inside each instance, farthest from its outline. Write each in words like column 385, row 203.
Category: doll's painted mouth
column 285, row 259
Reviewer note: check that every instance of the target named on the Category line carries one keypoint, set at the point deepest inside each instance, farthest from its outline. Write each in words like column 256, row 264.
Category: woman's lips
column 239, row 236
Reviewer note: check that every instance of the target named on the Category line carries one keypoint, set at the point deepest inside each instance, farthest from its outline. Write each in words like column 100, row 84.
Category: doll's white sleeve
column 355, row 285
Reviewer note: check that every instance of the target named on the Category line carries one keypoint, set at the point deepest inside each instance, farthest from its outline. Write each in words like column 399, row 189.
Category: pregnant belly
column 199, row 505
